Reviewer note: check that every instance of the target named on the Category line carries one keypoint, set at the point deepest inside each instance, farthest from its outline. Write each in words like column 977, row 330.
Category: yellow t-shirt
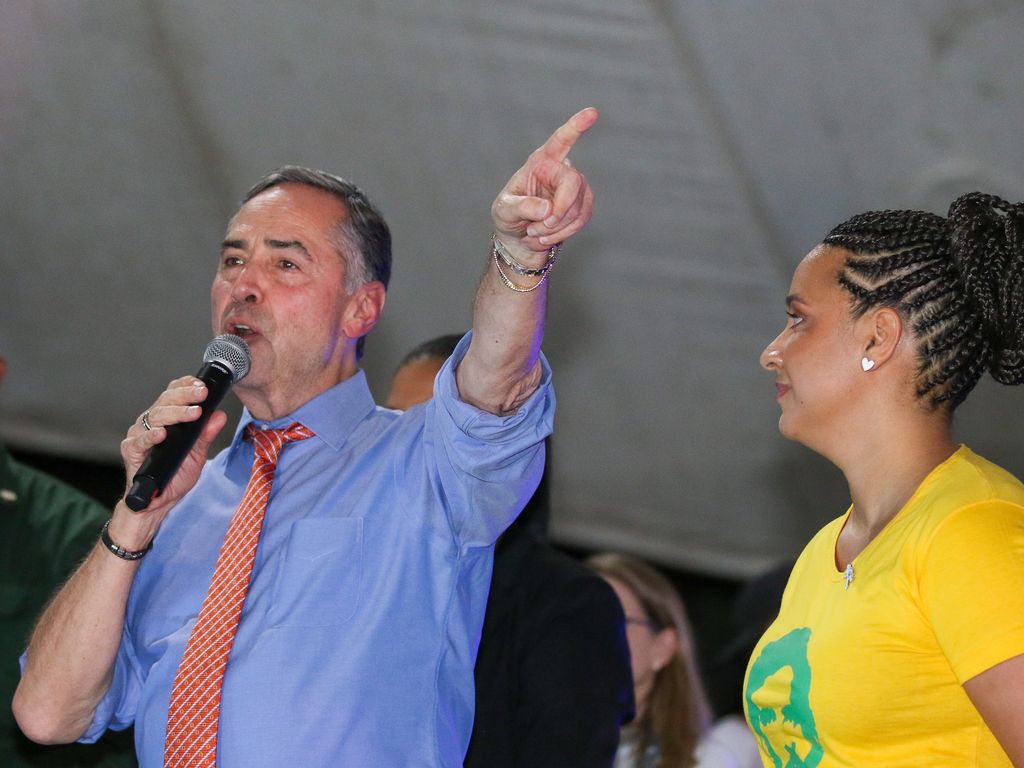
column 871, row 674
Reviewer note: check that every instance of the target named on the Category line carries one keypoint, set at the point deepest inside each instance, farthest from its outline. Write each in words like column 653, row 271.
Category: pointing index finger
column 566, row 135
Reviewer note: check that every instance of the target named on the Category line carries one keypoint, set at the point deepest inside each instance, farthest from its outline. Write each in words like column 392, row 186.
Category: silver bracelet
column 498, row 249
column 512, row 286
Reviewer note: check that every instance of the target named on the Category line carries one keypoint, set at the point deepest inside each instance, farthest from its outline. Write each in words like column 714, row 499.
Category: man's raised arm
column 545, row 202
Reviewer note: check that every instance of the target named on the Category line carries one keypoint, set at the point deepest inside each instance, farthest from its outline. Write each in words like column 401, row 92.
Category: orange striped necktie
column 195, row 699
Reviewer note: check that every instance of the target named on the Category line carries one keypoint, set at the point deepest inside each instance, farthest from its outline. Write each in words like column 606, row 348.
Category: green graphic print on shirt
column 778, row 702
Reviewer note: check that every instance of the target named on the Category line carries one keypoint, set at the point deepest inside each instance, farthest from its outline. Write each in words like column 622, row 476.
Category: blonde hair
column 678, row 713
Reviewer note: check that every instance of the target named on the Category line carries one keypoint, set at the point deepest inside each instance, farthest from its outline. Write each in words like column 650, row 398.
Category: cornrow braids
column 957, row 281
column 987, row 235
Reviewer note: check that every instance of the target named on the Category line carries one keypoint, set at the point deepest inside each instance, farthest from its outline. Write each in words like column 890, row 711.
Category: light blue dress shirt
column 358, row 636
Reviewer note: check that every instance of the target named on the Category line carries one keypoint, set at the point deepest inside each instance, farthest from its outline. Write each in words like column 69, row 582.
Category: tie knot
column 269, row 442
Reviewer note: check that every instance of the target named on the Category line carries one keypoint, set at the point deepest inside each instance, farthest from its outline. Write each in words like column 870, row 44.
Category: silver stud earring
column 867, row 364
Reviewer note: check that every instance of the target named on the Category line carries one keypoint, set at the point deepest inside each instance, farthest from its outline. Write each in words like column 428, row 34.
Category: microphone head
column 231, row 352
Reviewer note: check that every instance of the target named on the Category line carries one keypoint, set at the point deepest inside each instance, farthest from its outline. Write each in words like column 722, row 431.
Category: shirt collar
column 332, row 415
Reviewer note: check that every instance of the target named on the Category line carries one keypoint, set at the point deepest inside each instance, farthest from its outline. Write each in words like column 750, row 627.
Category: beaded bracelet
column 124, row 554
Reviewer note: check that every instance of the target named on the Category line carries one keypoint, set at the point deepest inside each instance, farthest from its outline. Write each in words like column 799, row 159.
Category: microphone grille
column 230, row 351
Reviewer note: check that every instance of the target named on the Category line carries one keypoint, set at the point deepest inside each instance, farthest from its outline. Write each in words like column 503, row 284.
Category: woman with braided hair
column 900, row 641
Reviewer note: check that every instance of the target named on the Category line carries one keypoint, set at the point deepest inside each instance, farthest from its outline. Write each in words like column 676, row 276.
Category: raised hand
column 546, row 201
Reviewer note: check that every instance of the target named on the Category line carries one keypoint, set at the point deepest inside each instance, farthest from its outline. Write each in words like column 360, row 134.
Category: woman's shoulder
column 967, row 478
column 728, row 744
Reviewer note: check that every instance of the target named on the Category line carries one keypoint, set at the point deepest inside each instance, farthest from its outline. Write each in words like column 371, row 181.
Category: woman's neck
column 884, row 472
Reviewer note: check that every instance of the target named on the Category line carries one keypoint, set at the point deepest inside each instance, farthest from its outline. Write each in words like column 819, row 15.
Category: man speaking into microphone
column 313, row 595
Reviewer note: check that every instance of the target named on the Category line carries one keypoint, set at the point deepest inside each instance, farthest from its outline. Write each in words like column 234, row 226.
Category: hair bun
column 987, row 244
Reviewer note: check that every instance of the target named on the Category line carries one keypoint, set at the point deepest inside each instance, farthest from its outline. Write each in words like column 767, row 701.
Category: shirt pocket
column 319, row 581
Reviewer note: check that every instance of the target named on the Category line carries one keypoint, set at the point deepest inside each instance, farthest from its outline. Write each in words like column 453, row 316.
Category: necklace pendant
column 848, row 575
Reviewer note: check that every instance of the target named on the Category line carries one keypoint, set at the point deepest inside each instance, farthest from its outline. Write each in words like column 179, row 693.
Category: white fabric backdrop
column 733, row 136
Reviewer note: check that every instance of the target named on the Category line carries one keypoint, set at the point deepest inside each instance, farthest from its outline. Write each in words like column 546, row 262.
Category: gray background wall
column 733, row 136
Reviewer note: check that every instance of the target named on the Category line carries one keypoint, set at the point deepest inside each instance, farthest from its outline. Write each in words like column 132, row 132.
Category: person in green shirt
column 46, row 528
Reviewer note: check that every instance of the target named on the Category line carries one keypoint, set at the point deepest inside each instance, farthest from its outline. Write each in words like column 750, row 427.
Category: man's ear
column 363, row 310
column 880, row 331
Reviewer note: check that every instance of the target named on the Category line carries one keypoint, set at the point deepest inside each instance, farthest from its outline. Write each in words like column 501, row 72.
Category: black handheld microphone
column 225, row 361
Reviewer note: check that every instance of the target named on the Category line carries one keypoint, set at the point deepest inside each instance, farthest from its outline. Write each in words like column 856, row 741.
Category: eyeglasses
column 640, row 622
